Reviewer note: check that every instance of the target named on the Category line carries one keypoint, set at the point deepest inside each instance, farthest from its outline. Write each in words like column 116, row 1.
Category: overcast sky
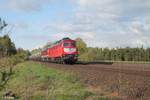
column 101, row 23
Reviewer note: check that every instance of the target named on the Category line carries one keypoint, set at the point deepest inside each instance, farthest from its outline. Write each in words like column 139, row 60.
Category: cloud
column 24, row 5
column 115, row 22
column 107, row 23
column 58, row 27
column 135, row 7
column 59, row 36
column 21, row 25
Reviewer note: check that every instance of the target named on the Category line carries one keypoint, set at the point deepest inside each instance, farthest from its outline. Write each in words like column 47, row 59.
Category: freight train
column 63, row 51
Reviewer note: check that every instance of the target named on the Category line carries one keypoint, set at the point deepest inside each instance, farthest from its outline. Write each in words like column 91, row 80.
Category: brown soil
column 128, row 81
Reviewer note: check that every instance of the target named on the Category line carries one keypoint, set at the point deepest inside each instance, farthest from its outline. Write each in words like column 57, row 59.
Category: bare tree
column 3, row 24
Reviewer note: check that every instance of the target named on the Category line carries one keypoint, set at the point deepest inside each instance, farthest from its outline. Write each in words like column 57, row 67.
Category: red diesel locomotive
column 62, row 51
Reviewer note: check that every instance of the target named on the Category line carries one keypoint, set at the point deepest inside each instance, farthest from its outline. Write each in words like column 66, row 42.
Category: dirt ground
column 127, row 81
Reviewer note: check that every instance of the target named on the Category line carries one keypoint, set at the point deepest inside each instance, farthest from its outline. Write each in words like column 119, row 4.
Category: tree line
column 7, row 47
column 114, row 54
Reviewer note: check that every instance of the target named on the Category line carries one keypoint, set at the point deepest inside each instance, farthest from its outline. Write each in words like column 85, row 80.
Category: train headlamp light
column 69, row 49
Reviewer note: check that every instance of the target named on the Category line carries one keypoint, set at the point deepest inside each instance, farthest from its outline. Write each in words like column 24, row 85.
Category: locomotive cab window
column 66, row 44
column 70, row 44
column 73, row 44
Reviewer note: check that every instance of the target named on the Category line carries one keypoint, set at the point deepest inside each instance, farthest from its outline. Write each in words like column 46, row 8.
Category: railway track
column 129, row 69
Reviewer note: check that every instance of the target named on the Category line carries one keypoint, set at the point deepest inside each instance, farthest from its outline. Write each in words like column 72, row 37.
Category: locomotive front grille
column 70, row 57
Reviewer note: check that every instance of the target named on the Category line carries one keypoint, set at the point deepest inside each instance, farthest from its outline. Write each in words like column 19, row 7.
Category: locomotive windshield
column 73, row 44
column 70, row 44
column 66, row 44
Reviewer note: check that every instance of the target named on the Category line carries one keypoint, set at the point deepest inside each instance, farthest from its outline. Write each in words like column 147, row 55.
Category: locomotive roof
column 66, row 38
column 52, row 44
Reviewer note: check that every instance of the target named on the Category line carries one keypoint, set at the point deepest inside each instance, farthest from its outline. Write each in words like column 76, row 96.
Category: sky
column 100, row 23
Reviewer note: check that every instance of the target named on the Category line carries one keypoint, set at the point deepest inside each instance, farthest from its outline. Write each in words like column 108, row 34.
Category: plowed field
column 127, row 81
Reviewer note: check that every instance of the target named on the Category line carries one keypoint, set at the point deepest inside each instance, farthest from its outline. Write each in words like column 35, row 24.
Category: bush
column 6, row 67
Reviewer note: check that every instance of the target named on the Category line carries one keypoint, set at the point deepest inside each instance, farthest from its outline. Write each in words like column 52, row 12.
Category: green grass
column 36, row 82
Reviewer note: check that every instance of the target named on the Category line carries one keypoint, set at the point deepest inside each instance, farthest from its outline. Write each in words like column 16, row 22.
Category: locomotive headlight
column 69, row 49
